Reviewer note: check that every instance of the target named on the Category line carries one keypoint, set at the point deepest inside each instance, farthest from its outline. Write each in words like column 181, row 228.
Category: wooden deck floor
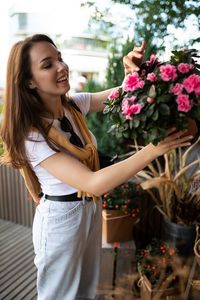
column 17, row 271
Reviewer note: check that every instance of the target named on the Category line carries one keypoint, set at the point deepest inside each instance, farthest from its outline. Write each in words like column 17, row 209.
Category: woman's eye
column 47, row 66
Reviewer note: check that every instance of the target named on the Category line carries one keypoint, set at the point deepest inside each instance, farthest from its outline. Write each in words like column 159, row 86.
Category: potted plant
column 173, row 186
column 121, row 212
column 162, row 95
column 159, row 96
column 162, row 273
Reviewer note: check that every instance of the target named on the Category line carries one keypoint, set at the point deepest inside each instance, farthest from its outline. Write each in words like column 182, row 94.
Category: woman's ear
column 30, row 84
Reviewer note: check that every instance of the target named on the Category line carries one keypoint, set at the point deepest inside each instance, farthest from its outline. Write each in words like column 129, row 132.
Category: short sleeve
column 37, row 149
column 82, row 100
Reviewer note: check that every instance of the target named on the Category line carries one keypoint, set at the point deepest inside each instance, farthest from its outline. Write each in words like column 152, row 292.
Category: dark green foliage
column 152, row 18
column 115, row 69
column 99, row 125
column 155, row 15
column 125, row 197
column 156, row 261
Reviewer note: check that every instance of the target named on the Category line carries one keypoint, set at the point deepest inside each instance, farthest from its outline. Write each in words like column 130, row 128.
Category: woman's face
column 50, row 74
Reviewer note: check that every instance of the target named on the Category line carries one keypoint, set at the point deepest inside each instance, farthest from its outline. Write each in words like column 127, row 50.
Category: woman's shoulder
column 82, row 100
column 34, row 136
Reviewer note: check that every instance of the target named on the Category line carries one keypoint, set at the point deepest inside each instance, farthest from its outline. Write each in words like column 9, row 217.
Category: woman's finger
column 170, row 130
column 141, row 48
column 133, row 59
column 129, row 65
column 176, row 135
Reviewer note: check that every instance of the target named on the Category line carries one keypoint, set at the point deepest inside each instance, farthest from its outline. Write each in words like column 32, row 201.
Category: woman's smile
column 63, row 79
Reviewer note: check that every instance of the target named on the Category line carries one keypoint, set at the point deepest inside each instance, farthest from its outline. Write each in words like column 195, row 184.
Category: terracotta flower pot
column 117, row 226
column 197, row 251
column 192, row 128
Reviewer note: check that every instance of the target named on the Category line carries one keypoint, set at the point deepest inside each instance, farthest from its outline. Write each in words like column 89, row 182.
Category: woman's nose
column 61, row 66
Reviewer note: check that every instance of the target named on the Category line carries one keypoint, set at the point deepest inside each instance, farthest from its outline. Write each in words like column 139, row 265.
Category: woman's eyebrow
column 49, row 57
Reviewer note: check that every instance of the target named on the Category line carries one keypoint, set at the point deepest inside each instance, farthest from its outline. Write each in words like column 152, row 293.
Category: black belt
column 66, row 198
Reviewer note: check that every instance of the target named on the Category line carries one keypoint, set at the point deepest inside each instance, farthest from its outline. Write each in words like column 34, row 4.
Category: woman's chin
column 65, row 88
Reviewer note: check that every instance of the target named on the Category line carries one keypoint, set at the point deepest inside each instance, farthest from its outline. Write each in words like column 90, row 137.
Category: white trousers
column 67, row 245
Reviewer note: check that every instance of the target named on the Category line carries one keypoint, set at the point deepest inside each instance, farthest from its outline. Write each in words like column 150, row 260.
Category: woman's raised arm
column 131, row 63
column 73, row 172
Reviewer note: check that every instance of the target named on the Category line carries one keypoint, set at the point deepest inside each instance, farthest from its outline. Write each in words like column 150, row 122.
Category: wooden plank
column 25, row 239
column 17, row 252
column 12, row 275
column 11, row 232
column 5, row 227
column 17, row 270
column 30, row 287
column 20, row 284
column 32, row 295
column 9, row 237
column 13, row 261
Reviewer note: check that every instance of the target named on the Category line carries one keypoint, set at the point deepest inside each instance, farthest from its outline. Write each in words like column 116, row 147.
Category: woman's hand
column 133, row 59
column 172, row 141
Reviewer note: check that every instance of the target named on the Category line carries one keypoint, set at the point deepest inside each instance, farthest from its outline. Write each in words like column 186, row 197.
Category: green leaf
column 115, row 118
column 150, row 110
column 196, row 112
column 152, row 136
column 164, row 109
column 126, row 135
column 112, row 128
column 106, row 110
column 155, row 115
column 143, row 118
column 165, row 98
column 136, row 123
column 119, row 135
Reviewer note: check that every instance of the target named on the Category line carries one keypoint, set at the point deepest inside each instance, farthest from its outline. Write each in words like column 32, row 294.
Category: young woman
column 45, row 135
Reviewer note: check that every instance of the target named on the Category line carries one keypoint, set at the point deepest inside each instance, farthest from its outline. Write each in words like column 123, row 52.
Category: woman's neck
column 54, row 109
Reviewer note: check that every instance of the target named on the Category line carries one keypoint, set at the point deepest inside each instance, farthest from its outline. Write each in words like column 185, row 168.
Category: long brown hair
column 23, row 107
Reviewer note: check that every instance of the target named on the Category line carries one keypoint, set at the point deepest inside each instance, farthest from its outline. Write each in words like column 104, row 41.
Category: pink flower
column 132, row 82
column 129, row 108
column 141, row 84
column 143, row 72
column 113, row 95
column 151, row 77
column 183, row 68
column 168, row 72
column 192, row 84
column 184, row 104
column 176, row 89
column 151, row 60
column 150, row 100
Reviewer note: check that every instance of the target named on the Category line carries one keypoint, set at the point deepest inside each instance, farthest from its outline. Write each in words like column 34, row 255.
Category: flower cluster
column 159, row 96
column 126, row 197
column 156, row 260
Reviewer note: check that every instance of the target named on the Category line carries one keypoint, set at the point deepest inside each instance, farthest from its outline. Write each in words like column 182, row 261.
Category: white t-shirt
column 38, row 150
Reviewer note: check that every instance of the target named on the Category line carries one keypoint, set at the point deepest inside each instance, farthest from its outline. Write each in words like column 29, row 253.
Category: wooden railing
column 15, row 205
